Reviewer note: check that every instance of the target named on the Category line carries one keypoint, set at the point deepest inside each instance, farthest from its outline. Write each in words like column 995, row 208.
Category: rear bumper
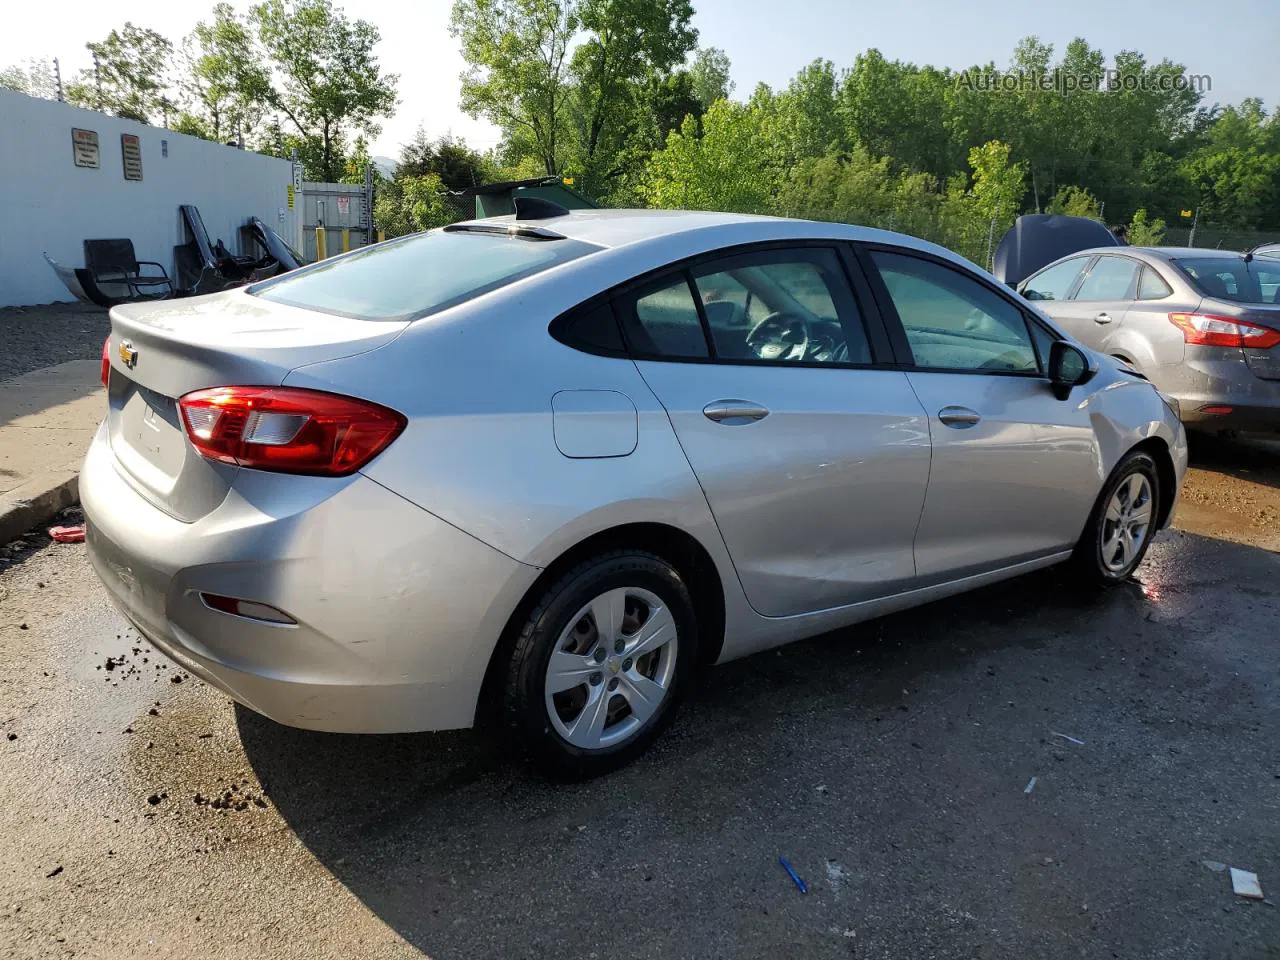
column 1221, row 393
column 1249, row 418
column 397, row 611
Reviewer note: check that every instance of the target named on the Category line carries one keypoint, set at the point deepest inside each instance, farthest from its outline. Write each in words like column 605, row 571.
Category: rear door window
column 1110, row 278
column 418, row 275
column 798, row 308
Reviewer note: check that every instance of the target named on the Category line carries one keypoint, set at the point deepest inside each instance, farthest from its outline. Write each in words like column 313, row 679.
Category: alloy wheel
column 1126, row 524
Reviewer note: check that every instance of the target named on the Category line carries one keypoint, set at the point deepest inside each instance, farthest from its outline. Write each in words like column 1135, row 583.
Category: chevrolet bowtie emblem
column 128, row 355
column 613, row 666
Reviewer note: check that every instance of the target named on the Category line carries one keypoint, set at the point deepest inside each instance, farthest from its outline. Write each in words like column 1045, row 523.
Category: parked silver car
column 1202, row 325
column 551, row 466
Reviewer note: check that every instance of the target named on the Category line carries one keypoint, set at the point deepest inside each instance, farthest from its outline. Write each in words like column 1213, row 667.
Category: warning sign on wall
column 131, row 148
column 290, row 195
column 344, row 206
column 84, row 146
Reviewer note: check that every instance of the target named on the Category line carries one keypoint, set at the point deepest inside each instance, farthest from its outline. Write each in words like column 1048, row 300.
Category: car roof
column 1158, row 253
column 618, row 227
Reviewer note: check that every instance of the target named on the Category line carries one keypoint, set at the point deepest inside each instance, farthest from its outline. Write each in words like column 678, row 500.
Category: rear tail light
column 106, row 360
column 288, row 430
column 1210, row 331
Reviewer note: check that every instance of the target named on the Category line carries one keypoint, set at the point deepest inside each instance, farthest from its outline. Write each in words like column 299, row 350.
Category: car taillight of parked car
column 1209, row 331
column 106, row 360
column 288, row 430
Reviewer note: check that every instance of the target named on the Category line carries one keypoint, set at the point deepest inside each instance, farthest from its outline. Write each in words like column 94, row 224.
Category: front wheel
column 1122, row 523
column 600, row 664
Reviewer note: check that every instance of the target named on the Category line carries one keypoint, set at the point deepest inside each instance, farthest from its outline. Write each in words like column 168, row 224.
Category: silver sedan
column 1202, row 325
column 547, row 467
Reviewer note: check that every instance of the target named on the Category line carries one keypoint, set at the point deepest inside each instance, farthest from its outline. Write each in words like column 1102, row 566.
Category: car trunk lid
column 1263, row 362
column 159, row 352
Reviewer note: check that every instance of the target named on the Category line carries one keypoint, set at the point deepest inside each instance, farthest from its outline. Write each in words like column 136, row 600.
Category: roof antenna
column 535, row 208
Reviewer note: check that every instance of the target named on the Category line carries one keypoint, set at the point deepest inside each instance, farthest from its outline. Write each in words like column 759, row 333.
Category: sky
column 766, row 40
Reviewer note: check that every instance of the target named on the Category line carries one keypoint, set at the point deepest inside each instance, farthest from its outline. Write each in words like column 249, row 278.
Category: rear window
column 418, row 275
column 1234, row 278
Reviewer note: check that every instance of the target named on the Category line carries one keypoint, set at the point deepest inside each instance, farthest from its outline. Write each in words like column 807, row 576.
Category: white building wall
column 47, row 203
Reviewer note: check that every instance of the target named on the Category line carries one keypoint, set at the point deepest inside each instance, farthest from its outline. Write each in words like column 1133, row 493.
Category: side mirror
column 1068, row 367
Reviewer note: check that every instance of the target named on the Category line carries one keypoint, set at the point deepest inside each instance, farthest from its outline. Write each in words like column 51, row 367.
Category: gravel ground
column 35, row 337
column 141, row 814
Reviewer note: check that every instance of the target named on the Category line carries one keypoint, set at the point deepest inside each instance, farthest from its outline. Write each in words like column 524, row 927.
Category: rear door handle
column 733, row 413
column 1103, row 317
column 959, row 417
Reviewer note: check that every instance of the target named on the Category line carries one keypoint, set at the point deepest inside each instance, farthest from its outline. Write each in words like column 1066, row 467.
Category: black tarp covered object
column 1041, row 238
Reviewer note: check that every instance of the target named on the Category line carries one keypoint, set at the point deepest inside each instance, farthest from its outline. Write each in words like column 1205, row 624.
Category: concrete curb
column 37, row 501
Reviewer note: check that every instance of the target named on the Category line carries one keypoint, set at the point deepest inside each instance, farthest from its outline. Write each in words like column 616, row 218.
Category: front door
column 1096, row 310
column 814, row 462
column 1014, row 473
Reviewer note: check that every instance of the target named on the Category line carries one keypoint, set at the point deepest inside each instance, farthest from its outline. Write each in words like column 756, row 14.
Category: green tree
column 412, row 204
column 35, row 79
column 517, row 75
column 449, row 158
column 1144, row 232
column 1075, row 202
column 709, row 73
column 225, row 85
column 329, row 81
column 624, row 42
column 724, row 169
column 130, row 75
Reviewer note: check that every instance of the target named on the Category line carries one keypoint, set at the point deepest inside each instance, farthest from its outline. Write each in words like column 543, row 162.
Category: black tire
column 526, row 716
column 1088, row 558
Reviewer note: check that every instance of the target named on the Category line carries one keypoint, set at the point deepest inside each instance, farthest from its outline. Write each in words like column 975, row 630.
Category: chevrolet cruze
column 546, row 467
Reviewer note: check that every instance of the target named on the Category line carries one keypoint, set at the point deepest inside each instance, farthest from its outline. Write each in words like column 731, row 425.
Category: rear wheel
column 1122, row 523
column 600, row 664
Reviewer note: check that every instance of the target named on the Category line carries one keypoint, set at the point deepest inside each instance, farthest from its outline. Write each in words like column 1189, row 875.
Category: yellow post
column 382, row 235
column 321, row 252
column 346, row 240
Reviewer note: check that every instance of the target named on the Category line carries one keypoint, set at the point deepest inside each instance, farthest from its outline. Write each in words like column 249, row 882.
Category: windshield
column 418, row 275
column 1234, row 278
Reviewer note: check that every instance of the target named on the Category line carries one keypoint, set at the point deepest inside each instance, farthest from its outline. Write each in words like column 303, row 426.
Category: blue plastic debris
column 800, row 884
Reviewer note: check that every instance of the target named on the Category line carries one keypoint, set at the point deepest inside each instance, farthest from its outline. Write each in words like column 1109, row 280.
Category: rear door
column 1014, row 472
column 813, row 457
column 1094, row 313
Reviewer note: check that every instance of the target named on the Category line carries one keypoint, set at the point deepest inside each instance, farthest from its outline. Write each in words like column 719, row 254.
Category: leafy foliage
column 130, row 76
column 1075, row 202
column 709, row 74
column 1144, row 232
column 330, row 83
column 225, row 85
column 517, row 51
column 36, row 79
column 411, row 204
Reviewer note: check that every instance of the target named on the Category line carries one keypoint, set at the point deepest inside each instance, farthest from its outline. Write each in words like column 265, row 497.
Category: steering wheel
column 780, row 336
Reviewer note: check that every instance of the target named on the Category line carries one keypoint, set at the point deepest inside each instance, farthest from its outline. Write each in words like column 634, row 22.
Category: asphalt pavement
column 142, row 814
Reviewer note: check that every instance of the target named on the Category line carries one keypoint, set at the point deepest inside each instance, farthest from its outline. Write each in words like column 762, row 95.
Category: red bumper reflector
column 250, row 609
column 1216, row 410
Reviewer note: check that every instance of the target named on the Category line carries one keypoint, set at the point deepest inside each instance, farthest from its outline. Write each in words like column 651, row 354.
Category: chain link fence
column 1220, row 238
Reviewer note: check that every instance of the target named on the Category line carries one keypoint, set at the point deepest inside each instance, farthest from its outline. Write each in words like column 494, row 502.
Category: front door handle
column 733, row 413
column 959, row 417
column 1103, row 317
